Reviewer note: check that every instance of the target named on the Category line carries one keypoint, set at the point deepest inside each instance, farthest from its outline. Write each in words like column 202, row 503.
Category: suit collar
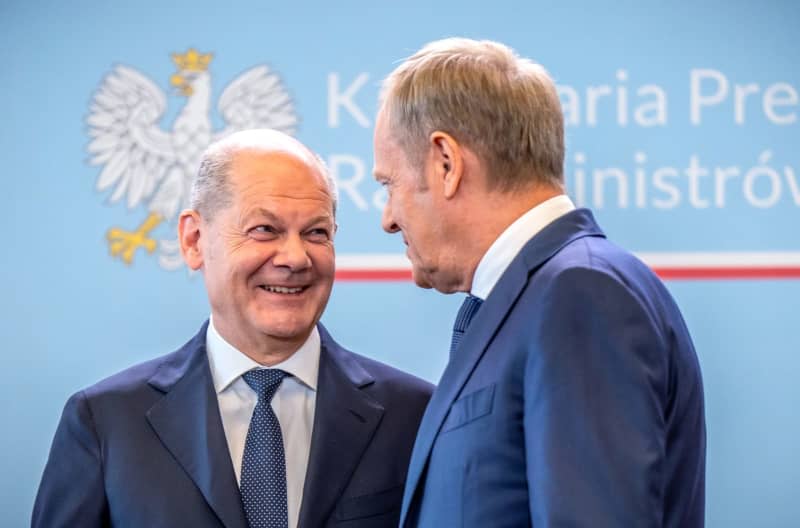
column 538, row 250
column 345, row 421
column 178, row 364
column 188, row 423
column 511, row 241
column 577, row 224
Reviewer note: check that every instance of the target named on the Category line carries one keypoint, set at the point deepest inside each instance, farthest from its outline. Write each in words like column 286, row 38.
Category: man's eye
column 319, row 233
column 263, row 231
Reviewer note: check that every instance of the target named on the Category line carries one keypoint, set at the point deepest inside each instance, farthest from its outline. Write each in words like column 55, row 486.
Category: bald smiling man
column 261, row 419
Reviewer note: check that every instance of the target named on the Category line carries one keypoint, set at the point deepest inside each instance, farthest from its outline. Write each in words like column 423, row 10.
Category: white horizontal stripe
column 372, row 261
column 722, row 259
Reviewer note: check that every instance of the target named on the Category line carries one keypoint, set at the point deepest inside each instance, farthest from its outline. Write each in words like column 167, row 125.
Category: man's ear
column 189, row 224
column 448, row 161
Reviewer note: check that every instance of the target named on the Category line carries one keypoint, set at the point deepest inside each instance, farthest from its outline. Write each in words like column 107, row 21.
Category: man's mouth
column 286, row 290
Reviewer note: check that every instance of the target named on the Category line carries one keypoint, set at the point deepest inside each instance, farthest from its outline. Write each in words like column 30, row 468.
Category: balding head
column 211, row 189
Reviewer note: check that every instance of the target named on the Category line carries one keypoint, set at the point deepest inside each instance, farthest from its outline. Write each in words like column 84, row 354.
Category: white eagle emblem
column 148, row 165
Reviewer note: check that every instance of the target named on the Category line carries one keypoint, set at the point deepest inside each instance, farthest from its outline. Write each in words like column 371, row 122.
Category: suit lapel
column 487, row 322
column 188, row 423
column 478, row 335
column 345, row 419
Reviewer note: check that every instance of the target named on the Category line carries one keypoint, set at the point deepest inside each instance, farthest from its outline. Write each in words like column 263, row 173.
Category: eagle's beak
column 180, row 83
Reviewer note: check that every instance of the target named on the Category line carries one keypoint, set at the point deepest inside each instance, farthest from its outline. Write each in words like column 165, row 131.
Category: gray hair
column 503, row 107
column 211, row 189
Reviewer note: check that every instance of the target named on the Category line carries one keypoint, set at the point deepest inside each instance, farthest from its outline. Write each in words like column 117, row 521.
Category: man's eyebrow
column 272, row 217
column 318, row 219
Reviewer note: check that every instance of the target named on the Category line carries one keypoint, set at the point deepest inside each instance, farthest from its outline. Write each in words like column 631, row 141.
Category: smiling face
column 267, row 258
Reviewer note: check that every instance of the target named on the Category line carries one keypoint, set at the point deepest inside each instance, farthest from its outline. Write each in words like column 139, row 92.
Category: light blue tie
column 467, row 311
column 263, row 478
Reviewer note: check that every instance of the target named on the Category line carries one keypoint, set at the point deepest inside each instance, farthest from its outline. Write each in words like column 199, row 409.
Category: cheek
column 324, row 260
column 236, row 271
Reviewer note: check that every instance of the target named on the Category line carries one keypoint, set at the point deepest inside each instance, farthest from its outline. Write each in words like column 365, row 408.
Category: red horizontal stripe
column 671, row 273
column 373, row 274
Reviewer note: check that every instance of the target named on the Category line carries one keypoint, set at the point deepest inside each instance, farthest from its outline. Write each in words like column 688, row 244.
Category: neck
column 272, row 355
column 493, row 213
column 262, row 348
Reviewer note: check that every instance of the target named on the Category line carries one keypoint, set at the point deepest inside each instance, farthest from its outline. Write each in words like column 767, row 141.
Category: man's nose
column 387, row 220
column 292, row 253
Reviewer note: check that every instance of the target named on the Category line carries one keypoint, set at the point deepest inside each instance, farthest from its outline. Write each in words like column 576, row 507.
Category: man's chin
column 421, row 278
column 288, row 328
column 441, row 282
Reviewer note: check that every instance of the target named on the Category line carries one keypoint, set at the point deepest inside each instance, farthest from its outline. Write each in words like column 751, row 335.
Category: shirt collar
column 510, row 242
column 228, row 364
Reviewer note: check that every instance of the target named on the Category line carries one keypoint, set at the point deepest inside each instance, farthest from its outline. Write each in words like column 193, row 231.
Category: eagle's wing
column 256, row 99
column 123, row 124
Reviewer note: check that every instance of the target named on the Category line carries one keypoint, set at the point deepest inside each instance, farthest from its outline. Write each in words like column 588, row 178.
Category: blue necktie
column 467, row 311
column 263, row 479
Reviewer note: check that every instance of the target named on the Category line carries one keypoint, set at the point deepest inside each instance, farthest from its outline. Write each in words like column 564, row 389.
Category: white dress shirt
column 294, row 403
column 510, row 242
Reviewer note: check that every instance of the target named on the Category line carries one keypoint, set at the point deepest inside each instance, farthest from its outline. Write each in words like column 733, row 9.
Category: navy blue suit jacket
column 146, row 447
column 575, row 399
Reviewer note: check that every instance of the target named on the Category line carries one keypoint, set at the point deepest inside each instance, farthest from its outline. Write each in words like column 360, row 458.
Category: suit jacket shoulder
column 133, row 383
column 144, row 447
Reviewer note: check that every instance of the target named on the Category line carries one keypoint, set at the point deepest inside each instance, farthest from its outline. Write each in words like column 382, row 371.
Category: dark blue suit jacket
column 146, row 447
column 575, row 399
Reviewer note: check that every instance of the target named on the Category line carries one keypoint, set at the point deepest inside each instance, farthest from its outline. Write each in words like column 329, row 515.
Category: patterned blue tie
column 467, row 311
column 263, row 479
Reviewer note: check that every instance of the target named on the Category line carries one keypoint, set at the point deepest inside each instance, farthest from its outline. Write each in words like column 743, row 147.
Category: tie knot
column 264, row 381
column 467, row 311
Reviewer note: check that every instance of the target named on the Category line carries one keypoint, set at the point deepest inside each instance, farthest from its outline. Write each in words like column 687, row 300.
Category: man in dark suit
column 573, row 394
column 261, row 419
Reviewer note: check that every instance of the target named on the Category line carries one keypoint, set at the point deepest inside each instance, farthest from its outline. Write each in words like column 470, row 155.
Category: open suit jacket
column 574, row 400
column 146, row 447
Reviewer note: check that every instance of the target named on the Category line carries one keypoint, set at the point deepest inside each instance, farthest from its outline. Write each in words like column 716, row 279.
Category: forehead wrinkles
column 260, row 199
column 286, row 209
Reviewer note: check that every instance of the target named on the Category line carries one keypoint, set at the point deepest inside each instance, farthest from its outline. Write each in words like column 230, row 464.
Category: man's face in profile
column 411, row 208
column 268, row 258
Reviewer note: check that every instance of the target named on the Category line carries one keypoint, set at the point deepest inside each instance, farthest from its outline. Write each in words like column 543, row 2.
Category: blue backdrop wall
column 683, row 137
